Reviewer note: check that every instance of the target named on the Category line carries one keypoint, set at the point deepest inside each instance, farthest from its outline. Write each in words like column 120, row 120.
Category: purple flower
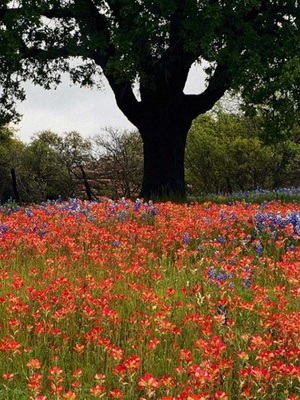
column 186, row 238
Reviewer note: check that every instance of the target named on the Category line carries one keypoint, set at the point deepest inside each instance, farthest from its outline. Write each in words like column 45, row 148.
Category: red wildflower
column 34, row 363
column 132, row 363
column 97, row 390
column 116, row 394
column 148, row 381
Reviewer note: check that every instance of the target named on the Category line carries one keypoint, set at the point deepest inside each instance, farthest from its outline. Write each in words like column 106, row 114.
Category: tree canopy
column 251, row 46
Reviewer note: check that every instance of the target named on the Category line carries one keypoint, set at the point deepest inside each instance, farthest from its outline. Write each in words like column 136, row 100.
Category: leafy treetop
column 245, row 45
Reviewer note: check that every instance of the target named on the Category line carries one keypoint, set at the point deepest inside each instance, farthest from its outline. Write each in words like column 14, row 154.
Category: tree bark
column 14, row 185
column 87, row 186
column 164, row 139
column 163, row 117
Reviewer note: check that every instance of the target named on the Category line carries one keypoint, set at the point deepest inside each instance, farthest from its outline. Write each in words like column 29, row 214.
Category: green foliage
column 248, row 45
column 5, row 134
column 74, row 149
column 48, row 167
column 225, row 153
column 56, row 163
column 46, row 176
column 10, row 159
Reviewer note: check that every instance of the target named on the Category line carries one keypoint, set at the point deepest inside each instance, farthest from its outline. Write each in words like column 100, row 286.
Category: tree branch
column 126, row 100
column 92, row 23
column 222, row 78
column 50, row 54
column 201, row 103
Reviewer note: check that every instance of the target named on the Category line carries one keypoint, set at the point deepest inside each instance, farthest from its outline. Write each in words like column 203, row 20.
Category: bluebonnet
column 222, row 276
column 273, row 222
column 258, row 248
column 219, row 276
column 28, row 212
column 3, row 229
column 186, row 238
column 112, row 208
column 248, row 280
column 73, row 205
column 233, row 216
column 291, row 247
column 212, row 273
column 247, row 283
column 124, row 202
column 153, row 210
column 294, row 219
column 221, row 239
column 137, row 205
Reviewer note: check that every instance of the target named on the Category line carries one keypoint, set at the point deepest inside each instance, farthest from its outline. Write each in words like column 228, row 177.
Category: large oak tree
column 246, row 45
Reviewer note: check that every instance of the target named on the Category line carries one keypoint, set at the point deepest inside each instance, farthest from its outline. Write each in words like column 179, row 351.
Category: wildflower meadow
column 134, row 300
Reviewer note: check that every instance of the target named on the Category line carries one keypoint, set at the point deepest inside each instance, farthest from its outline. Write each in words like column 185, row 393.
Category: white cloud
column 87, row 111
column 68, row 108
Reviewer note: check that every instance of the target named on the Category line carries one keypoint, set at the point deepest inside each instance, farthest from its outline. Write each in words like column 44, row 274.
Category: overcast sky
column 73, row 108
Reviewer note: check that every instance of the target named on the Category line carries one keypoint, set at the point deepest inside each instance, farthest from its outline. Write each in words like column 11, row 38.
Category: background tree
column 120, row 163
column 10, row 151
column 46, row 177
column 57, row 166
column 75, row 153
column 226, row 153
column 246, row 45
column 286, row 160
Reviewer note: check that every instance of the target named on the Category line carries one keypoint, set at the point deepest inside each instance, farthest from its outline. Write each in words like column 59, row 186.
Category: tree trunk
column 164, row 147
column 87, row 186
column 229, row 187
column 14, row 185
column 163, row 117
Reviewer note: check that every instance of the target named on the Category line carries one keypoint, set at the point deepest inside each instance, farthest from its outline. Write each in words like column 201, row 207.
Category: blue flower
column 212, row 274
column 247, row 283
column 153, row 210
column 186, row 238
column 222, row 276
column 258, row 248
column 221, row 239
column 137, row 205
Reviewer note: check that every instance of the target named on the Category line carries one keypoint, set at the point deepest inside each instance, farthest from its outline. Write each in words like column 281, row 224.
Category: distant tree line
column 226, row 152
column 52, row 166
column 230, row 152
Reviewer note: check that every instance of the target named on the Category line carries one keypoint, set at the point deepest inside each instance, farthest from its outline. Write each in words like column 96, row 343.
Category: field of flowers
column 132, row 300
